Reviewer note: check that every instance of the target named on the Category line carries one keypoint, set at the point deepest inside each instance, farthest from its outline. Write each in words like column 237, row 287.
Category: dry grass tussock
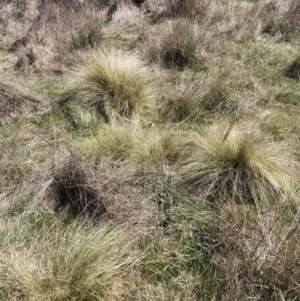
column 278, row 18
column 127, row 15
column 286, row 11
column 176, row 46
column 257, row 254
column 193, row 8
column 57, row 28
column 184, row 102
column 117, row 5
column 26, row 161
column 274, row 17
column 292, row 16
column 102, row 192
column 220, row 19
column 196, row 98
column 242, row 164
column 74, row 187
column 240, row 21
column 244, row 22
column 218, row 93
column 67, row 262
column 221, row 89
column 13, row 13
column 116, row 83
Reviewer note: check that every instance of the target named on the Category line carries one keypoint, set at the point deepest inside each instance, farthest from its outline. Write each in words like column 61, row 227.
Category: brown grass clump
column 143, row 149
column 195, row 99
column 74, row 187
column 176, row 46
column 278, row 18
column 292, row 16
column 57, row 28
column 257, row 253
column 218, row 94
column 106, row 191
column 127, row 15
column 184, row 102
column 127, row 5
column 186, row 8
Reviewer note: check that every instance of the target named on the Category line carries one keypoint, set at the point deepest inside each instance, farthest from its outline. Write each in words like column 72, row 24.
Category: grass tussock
column 57, row 28
column 184, row 103
column 103, row 192
column 117, row 84
column 127, row 15
column 254, row 248
column 186, row 9
column 218, row 95
column 198, row 99
column 293, row 70
column 279, row 19
column 176, row 46
column 236, row 163
column 73, row 262
column 74, row 187
column 82, row 119
column 293, row 15
column 142, row 148
column 113, row 141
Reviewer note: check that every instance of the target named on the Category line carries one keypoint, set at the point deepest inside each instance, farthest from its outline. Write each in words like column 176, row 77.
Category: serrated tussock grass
column 67, row 262
column 184, row 102
column 114, row 82
column 135, row 144
column 197, row 100
column 160, row 179
column 82, row 119
column 241, row 164
column 176, row 46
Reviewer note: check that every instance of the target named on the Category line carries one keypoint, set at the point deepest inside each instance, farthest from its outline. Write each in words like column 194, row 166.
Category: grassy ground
column 149, row 150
